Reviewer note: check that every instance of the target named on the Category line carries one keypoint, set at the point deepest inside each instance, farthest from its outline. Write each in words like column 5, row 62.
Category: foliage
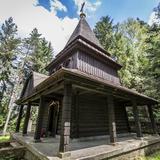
column 136, row 46
column 18, row 57
column 154, row 156
column 4, row 138
column 38, row 52
column 127, row 44
column 9, row 43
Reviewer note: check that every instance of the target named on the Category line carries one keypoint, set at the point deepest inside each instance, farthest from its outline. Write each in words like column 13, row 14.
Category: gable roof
column 31, row 82
column 83, row 29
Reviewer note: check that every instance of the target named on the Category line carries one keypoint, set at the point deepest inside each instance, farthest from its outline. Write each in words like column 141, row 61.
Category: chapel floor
column 88, row 149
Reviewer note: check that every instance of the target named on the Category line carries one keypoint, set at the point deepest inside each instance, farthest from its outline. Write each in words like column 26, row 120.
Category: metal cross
column 82, row 7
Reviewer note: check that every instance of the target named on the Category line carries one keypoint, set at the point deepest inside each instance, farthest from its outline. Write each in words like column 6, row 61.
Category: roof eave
column 74, row 44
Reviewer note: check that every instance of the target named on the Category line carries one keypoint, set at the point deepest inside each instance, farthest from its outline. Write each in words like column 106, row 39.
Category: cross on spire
column 82, row 14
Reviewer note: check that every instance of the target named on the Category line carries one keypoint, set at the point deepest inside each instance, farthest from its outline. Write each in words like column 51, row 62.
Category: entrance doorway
column 53, row 118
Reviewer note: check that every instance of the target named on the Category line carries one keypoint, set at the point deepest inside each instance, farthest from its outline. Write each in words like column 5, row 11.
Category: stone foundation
column 126, row 148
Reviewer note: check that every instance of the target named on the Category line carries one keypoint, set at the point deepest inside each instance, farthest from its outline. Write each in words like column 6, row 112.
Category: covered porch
column 63, row 88
column 127, row 147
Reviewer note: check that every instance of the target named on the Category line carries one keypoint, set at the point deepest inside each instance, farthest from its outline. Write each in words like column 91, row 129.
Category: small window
column 67, row 63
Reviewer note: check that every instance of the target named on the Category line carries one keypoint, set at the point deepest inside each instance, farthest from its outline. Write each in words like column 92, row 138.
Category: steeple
column 83, row 31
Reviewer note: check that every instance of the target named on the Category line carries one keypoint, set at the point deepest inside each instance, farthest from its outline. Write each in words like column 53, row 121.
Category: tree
column 126, row 41
column 8, row 53
column 39, row 52
column 104, row 31
column 9, row 43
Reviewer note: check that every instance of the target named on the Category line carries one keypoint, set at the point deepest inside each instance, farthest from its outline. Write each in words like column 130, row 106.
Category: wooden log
column 153, row 123
column 19, row 118
column 66, row 118
column 26, row 120
column 136, row 119
column 40, row 116
column 111, row 115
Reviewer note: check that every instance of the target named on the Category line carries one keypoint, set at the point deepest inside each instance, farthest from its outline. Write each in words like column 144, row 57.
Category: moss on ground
column 4, row 138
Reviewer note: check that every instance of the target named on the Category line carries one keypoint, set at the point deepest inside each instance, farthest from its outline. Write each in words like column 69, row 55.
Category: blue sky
column 56, row 19
column 119, row 10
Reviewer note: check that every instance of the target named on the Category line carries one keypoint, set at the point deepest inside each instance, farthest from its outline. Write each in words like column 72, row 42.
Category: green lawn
column 4, row 138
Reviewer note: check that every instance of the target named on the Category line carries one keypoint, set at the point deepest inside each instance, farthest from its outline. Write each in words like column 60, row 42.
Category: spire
column 83, row 30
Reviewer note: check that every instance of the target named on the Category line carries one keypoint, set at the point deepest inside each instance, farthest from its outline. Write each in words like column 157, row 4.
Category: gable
column 31, row 82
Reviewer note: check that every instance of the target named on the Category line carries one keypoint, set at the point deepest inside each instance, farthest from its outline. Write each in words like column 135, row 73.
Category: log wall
column 90, row 117
column 92, row 66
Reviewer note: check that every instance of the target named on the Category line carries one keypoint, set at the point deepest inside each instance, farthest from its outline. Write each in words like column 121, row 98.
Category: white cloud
column 57, row 5
column 89, row 7
column 28, row 16
column 153, row 19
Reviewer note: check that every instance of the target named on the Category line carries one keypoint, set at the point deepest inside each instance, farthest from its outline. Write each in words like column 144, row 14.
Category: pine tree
column 9, row 43
column 39, row 53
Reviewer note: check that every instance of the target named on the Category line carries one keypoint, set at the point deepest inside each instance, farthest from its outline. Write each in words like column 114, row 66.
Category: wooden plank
column 90, row 63
column 66, row 118
column 40, row 117
column 112, row 122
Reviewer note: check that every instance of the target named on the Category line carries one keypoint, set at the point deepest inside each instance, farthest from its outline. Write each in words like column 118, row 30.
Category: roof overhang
column 80, row 79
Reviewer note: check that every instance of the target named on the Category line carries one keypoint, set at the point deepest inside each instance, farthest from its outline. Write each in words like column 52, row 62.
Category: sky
column 56, row 19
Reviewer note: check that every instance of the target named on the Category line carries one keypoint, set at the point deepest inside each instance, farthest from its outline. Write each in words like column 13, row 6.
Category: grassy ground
column 154, row 156
column 4, row 138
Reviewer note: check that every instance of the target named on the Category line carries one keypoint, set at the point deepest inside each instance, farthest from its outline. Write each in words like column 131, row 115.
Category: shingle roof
column 48, row 82
column 31, row 82
column 83, row 29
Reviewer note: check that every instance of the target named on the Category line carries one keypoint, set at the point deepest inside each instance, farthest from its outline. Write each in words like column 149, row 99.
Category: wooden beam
column 136, row 119
column 26, row 120
column 40, row 116
column 111, row 116
column 153, row 123
column 99, row 91
column 66, row 118
column 19, row 118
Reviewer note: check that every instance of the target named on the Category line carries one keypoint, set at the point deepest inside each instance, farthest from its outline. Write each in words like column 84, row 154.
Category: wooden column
column 136, row 119
column 111, row 115
column 39, row 123
column 26, row 120
column 19, row 118
column 66, row 118
column 153, row 123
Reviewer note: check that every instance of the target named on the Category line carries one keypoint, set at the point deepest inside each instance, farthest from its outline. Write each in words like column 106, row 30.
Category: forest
column 133, row 43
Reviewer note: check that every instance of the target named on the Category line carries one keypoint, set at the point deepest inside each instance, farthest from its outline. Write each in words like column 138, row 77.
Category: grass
column 4, row 138
column 154, row 156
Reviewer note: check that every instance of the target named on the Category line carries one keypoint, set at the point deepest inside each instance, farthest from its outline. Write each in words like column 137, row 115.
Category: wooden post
column 38, row 129
column 153, row 123
column 66, row 118
column 127, row 120
column 136, row 119
column 111, row 115
column 26, row 120
column 19, row 118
